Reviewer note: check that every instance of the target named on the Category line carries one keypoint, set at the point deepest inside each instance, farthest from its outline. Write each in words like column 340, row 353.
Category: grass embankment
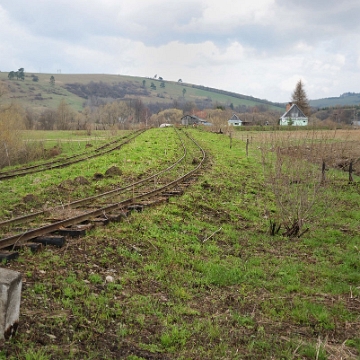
column 199, row 278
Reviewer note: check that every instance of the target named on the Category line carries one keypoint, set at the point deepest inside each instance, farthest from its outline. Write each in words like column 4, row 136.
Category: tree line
column 19, row 74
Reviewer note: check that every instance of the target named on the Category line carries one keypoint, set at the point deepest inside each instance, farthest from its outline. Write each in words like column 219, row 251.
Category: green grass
column 135, row 160
column 198, row 277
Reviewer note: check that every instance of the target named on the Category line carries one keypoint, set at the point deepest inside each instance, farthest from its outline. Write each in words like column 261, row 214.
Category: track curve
column 130, row 198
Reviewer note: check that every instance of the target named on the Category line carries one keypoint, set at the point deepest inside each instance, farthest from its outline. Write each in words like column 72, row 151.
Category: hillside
column 36, row 92
column 346, row 99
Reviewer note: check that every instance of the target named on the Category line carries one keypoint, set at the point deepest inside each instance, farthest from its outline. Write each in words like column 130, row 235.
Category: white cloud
column 302, row 47
column 260, row 48
column 227, row 13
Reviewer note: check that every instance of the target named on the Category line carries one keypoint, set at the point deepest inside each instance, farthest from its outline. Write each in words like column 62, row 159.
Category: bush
column 11, row 122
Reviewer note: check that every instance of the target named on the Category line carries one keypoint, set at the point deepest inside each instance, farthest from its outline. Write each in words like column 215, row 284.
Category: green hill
column 36, row 91
column 346, row 99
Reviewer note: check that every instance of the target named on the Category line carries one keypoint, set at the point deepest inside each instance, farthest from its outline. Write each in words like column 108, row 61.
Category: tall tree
column 52, row 80
column 11, row 75
column 300, row 99
column 20, row 74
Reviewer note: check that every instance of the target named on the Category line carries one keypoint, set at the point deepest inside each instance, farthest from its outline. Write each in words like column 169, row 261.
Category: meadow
column 202, row 276
column 41, row 94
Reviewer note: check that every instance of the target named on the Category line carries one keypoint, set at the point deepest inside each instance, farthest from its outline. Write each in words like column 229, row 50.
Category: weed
column 39, row 288
column 95, row 279
column 354, row 343
column 174, row 337
column 313, row 352
column 35, row 355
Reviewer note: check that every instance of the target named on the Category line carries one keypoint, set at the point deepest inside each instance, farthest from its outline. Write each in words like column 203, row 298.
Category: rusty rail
column 27, row 217
column 71, row 159
column 31, row 234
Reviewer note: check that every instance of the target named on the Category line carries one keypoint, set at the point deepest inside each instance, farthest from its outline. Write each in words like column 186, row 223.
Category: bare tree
column 169, row 116
column 114, row 113
column 64, row 115
column 47, row 120
column 11, row 124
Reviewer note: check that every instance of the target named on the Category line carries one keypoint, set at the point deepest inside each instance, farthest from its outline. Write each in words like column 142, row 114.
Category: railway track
column 60, row 163
column 111, row 204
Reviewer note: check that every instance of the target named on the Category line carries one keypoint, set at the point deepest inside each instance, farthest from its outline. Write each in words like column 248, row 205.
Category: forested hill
column 346, row 99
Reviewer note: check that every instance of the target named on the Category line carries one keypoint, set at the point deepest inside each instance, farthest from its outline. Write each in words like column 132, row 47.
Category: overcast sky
column 252, row 47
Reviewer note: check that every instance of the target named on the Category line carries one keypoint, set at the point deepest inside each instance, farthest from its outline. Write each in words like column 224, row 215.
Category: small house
column 194, row 120
column 293, row 116
column 234, row 121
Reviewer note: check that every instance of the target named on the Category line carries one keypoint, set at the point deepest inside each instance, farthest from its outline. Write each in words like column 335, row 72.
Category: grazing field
column 40, row 94
column 335, row 147
column 201, row 276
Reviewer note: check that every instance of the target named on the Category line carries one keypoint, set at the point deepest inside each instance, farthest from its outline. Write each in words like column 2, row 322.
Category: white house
column 234, row 121
column 293, row 116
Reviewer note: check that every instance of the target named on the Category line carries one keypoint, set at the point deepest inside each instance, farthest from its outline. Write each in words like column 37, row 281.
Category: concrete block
column 135, row 207
column 75, row 232
column 8, row 255
column 58, row 241
column 10, row 296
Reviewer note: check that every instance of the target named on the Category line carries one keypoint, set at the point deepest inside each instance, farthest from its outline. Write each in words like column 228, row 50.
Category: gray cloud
column 257, row 48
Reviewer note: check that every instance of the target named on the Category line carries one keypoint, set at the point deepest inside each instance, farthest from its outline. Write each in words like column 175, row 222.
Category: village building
column 194, row 120
column 234, row 121
column 293, row 116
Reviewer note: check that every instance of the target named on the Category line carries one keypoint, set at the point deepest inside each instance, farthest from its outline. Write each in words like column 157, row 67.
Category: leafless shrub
column 292, row 164
column 11, row 124
column 30, row 151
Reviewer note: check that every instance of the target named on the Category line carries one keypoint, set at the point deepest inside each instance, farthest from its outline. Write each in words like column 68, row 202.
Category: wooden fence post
column 247, row 147
column 7, row 154
column 323, row 169
column 350, row 172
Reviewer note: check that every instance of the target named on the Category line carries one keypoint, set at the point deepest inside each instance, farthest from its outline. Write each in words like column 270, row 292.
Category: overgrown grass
column 153, row 150
column 199, row 277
